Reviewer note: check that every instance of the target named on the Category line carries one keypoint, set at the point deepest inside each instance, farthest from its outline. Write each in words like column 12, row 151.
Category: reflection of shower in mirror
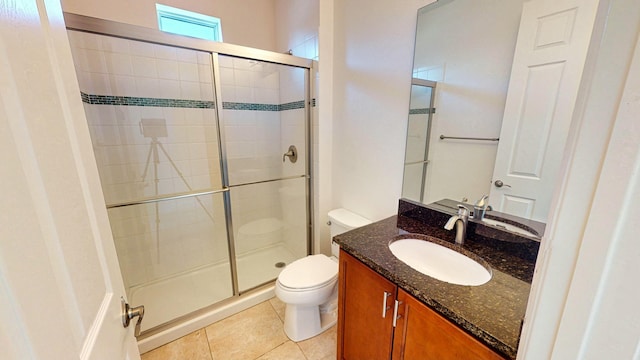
column 470, row 96
column 419, row 127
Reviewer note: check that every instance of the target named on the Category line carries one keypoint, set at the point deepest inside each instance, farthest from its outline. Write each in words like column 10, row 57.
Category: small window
column 183, row 22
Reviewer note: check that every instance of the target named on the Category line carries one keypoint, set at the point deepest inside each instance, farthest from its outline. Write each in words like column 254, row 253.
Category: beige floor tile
column 193, row 346
column 320, row 347
column 286, row 351
column 329, row 357
column 246, row 335
column 279, row 307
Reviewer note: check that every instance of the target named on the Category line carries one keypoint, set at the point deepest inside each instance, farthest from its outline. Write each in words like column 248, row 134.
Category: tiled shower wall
column 140, row 71
column 125, row 82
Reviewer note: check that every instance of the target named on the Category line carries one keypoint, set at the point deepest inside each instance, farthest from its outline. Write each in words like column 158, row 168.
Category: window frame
column 189, row 18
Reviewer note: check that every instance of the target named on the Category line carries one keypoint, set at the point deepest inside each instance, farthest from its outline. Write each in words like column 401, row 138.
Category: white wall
column 297, row 27
column 372, row 62
column 244, row 22
column 323, row 115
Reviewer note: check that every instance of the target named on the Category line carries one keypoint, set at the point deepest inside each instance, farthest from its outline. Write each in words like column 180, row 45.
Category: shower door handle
column 128, row 313
column 292, row 154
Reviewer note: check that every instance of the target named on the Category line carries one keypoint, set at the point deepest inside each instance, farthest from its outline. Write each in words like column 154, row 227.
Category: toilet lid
column 308, row 272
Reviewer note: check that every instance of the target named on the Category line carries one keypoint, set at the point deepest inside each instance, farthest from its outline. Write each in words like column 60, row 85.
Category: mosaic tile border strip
column 292, row 105
column 179, row 103
column 249, row 106
column 140, row 101
column 263, row 107
column 422, row 111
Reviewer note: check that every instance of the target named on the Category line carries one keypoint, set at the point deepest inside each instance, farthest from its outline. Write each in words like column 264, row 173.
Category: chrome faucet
column 460, row 221
column 481, row 207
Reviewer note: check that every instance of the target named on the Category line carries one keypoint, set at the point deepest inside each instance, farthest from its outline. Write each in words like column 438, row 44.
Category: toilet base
column 304, row 322
column 310, row 311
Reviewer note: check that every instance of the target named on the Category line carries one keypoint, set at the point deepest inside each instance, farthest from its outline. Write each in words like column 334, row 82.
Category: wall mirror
column 463, row 59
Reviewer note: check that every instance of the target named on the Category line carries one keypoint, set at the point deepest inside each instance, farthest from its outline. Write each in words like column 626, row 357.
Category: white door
column 60, row 285
column 547, row 68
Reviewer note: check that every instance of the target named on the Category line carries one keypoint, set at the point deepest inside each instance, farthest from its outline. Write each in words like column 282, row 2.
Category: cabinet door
column 365, row 325
column 423, row 334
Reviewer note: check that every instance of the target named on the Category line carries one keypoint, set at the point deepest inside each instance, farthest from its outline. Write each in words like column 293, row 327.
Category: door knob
column 500, row 184
column 128, row 313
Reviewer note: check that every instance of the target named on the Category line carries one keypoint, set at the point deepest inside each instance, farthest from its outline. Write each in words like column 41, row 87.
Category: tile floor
column 253, row 334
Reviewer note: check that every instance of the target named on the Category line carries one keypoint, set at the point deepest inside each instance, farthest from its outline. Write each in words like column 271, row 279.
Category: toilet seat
column 329, row 282
column 308, row 273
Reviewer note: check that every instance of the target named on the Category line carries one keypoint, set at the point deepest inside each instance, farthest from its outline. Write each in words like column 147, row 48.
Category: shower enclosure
column 203, row 155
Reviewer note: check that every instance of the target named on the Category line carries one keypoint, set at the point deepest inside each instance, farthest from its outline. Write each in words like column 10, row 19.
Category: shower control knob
column 292, row 154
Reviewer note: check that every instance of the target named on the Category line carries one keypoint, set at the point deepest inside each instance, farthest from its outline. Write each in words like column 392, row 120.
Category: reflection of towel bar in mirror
column 442, row 137
column 417, row 162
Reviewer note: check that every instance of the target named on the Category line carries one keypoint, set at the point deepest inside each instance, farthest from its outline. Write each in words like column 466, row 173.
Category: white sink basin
column 508, row 227
column 440, row 262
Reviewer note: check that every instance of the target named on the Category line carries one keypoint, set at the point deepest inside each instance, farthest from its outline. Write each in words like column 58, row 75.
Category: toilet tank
column 343, row 220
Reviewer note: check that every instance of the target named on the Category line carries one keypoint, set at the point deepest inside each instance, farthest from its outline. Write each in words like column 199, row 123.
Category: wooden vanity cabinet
column 421, row 333
column 366, row 327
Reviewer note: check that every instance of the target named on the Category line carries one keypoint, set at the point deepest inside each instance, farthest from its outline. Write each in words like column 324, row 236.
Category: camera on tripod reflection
column 153, row 128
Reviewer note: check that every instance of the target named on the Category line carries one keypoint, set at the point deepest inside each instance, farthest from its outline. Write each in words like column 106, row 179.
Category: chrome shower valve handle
column 292, row 154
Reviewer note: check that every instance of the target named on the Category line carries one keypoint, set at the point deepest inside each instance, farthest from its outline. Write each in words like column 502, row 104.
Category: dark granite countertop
column 492, row 312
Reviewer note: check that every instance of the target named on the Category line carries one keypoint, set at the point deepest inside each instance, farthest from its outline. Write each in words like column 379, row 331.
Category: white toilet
column 309, row 286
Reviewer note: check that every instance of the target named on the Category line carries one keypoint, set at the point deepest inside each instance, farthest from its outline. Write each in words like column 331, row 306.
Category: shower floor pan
column 173, row 297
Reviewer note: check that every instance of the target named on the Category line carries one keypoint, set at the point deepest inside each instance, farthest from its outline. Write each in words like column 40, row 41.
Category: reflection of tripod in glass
column 155, row 128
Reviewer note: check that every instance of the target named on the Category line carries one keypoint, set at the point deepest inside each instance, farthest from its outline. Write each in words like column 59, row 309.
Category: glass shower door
column 152, row 120
column 265, row 134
